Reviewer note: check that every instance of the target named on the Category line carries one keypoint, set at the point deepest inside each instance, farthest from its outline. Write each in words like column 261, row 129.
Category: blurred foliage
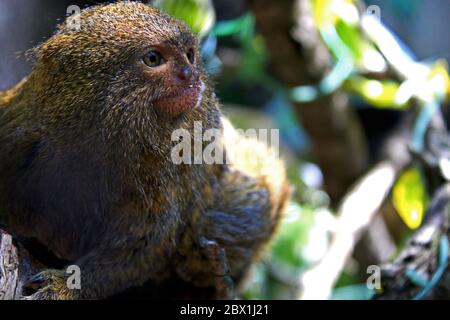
column 370, row 62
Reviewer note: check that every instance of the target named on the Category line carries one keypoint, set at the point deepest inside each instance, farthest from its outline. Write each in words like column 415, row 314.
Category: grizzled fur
column 85, row 165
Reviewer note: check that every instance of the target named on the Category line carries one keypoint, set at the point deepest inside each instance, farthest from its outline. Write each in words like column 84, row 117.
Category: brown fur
column 85, row 163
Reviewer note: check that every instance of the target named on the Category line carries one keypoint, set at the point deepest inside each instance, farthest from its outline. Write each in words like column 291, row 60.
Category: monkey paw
column 218, row 262
column 48, row 285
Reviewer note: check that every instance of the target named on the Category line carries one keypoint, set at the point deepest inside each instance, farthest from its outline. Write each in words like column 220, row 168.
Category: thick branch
column 16, row 266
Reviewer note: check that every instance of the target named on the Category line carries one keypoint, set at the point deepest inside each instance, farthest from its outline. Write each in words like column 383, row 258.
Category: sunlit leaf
column 382, row 94
column 328, row 12
column 363, row 52
column 439, row 78
column 410, row 198
column 351, row 36
column 322, row 12
column 199, row 15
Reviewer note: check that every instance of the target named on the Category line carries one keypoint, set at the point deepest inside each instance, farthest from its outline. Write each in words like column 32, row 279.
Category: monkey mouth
column 180, row 101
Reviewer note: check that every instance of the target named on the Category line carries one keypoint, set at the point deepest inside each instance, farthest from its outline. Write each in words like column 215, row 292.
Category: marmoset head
column 127, row 61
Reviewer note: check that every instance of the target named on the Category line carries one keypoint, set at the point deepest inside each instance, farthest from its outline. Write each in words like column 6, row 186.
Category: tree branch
column 421, row 255
column 16, row 266
column 298, row 57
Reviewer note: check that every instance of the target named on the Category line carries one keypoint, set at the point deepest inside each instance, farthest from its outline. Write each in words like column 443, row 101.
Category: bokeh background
column 328, row 143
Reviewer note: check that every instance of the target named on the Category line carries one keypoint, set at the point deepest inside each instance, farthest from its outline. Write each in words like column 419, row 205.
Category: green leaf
column 199, row 15
column 379, row 93
column 244, row 26
column 410, row 198
column 363, row 52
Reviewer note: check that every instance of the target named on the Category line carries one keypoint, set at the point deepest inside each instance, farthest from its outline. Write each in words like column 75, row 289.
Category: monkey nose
column 186, row 73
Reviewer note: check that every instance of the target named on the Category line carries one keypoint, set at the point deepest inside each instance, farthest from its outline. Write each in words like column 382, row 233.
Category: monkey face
column 129, row 66
column 174, row 68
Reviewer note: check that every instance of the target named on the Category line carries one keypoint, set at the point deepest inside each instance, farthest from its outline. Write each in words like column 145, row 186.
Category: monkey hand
column 216, row 258
column 206, row 266
column 49, row 285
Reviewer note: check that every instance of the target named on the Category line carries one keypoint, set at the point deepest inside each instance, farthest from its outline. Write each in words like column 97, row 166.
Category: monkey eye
column 191, row 56
column 153, row 59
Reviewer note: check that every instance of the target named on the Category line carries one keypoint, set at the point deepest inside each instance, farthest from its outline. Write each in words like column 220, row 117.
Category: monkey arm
column 243, row 222
column 253, row 194
column 250, row 197
column 111, row 268
column 233, row 234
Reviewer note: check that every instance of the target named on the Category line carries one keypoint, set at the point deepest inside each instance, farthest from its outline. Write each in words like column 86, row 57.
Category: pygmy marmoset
column 86, row 166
